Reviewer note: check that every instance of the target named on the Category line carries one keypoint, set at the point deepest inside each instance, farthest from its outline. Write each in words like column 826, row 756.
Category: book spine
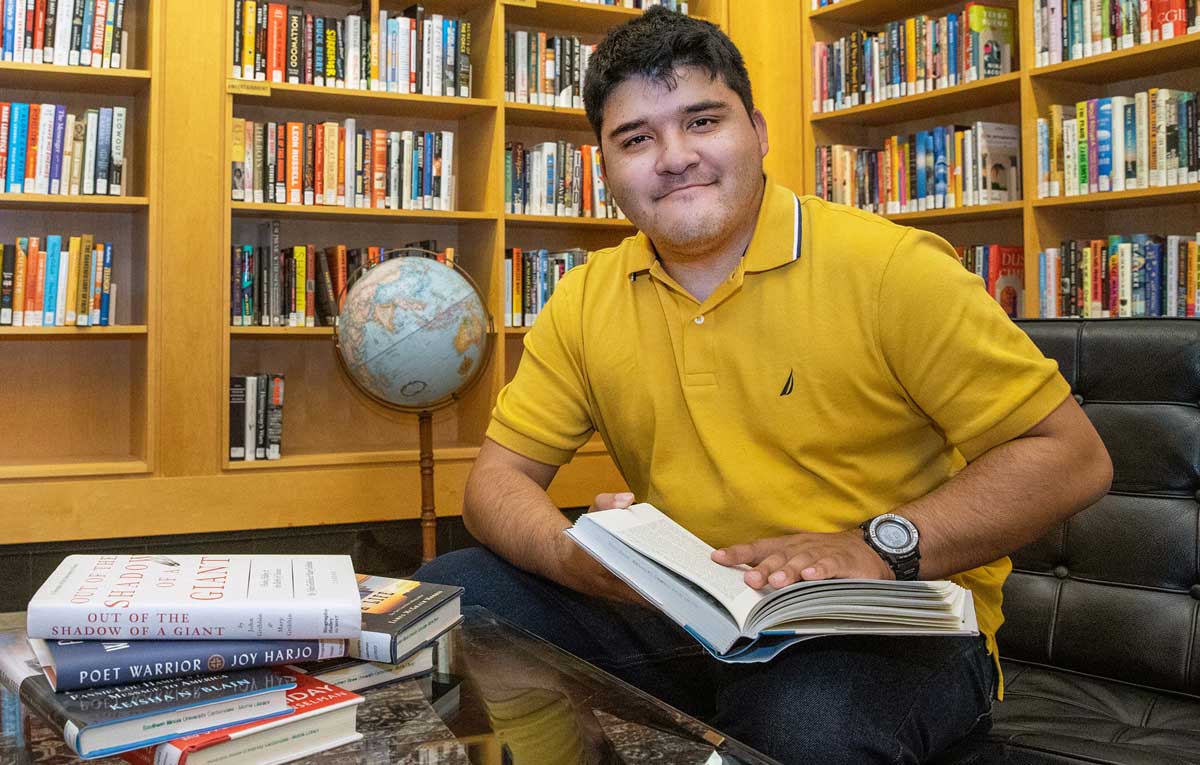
column 7, row 266
column 275, row 421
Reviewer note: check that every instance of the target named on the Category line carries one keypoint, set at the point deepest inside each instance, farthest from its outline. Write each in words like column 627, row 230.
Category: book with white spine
column 89, row 152
column 116, row 167
column 45, row 140
column 213, row 597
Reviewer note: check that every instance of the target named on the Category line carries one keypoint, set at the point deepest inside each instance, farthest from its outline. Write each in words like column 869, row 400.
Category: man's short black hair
column 653, row 45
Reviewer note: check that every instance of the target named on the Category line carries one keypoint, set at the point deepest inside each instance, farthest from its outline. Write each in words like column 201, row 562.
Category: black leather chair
column 1101, row 643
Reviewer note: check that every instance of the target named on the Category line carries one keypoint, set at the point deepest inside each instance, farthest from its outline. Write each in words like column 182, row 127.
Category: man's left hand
column 780, row 561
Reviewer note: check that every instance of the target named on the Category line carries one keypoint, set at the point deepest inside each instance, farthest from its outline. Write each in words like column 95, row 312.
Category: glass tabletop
column 499, row 695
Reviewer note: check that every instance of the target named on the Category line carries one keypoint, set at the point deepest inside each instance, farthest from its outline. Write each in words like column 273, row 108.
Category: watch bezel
column 879, row 544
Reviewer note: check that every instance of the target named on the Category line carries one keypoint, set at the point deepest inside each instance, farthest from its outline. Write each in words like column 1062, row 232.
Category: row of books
column 56, row 287
column 1138, row 275
column 272, row 285
column 410, row 52
column 64, row 32
column 255, row 417
column 915, row 55
column 556, row 178
column 46, row 150
column 1148, row 140
column 1068, row 30
column 545, row 69
column 530, row 277
column 1002, row 269
column 679, row 6
column 342, row 165
column 946, row 167
column 173, row 673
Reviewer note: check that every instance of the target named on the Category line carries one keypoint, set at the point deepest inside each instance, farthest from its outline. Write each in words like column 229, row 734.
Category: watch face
column 894, row 535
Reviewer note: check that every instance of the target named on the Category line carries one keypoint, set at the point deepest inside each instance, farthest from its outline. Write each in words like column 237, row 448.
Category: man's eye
column 704, row 122
column 635, row 140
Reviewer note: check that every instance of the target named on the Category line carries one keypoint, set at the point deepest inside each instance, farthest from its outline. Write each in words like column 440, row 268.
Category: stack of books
column 174, row 658
column 1002, row 269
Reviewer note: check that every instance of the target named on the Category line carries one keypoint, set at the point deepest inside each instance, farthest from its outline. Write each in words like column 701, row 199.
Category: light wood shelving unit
column 1023, row 96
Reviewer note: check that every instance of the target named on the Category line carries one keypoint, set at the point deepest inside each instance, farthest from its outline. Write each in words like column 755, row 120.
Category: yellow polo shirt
column 848, row 366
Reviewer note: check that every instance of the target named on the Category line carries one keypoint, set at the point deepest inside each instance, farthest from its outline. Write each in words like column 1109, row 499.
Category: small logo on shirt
column 787, row 386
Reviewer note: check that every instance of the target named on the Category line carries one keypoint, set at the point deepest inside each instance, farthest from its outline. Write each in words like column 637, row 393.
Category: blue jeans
column 856, row 699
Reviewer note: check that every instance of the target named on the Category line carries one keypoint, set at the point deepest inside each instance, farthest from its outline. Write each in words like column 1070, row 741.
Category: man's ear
column 760, row 127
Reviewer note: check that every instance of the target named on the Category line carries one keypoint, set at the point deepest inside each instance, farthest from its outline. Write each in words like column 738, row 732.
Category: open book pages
column 673, row 569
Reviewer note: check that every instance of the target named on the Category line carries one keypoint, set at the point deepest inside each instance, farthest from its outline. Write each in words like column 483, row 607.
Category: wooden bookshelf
column 1026, row 93
column 77, row 203
column 110, row 82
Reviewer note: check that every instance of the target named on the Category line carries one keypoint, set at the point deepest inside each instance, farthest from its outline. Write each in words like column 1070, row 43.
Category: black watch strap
column 905, row 567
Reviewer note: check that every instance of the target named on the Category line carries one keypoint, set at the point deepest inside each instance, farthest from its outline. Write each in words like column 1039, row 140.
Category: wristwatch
column 895, row 538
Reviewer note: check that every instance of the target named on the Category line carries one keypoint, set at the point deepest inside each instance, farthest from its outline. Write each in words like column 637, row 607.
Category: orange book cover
column 295, row 161
column 319, row 166
column 518, row 288
column 31, row 147
column 276, row 41
column 373, row 255
column 18, row 304
column 39, row 28
column 1006, row 278
column 39, row 283
column 379, row 167
column 586, row 186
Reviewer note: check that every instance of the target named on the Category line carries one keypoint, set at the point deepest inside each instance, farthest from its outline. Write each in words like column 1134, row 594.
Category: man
column 772, row 372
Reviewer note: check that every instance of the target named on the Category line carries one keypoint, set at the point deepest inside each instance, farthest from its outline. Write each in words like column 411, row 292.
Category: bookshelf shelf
column 553, row 221
column 550, row 117
column 341, row 100
column 278, row 332
column 331, row 459
column 1003, row 89
column 566, row 14
column 90, row 203
column 320, row 212
column 1160, row 195
column 1128, row 64
column 516, row 330
column 109, row 82
column 961, row 214
column 74, row 333
column 73, row 468
column 866, row 12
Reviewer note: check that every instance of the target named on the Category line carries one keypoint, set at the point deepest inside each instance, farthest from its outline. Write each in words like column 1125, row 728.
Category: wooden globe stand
column 424, row 413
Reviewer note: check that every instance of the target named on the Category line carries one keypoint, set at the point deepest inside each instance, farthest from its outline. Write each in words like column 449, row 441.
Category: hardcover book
column 323, row 716
column 71, row 665
column 357, row 675
column 104, row 721
column 400, row 615
column 672, row 568
column 181, row 597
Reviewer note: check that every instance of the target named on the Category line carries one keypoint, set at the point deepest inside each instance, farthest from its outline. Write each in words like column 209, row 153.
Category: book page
column 644, row 528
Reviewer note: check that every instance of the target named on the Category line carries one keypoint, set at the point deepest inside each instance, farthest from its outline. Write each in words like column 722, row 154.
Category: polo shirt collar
column 776, row 240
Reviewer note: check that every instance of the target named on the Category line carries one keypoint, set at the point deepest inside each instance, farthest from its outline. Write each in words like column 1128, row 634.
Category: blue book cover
column 952, row 47
column 921, row 189
column 10, row 24
column 50, row 293
column 104, row 296
column 939, row 165
column 894, row 34
column 103, row 149
column 72, row 665
column 319, row 48
column 99, row 722
column 1104, row 147
column 1138, row 275
column 85, row 46
column 1043, row 301
column 18, row 136
column 427, row 184
column 56, row 155
column 1153, row 278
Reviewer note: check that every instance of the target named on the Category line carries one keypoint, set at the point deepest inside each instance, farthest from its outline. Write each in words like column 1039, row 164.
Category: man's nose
column 675, row 155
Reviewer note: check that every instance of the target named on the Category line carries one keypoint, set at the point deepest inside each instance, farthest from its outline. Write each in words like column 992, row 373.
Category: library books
column 185, row 597
column 322, row 716
column 342, row 165
column 104, row 721
column 1120, row 276
column 946, row 167
column 64, row 33
column 530, row 278
column 556, row 178
column 1068, row 30
column 46, row 150
column 358, row 675
column 1002, row 269
column 545, row 69
column 49, row 285
column 400, row 616
column 256, row 417
column 1150, row 139
column 672, row 569
column 414, row 51
column 911, row 56
column 72, row 665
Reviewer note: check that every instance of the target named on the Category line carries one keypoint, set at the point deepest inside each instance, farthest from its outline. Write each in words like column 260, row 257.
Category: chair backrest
column 1115, row 591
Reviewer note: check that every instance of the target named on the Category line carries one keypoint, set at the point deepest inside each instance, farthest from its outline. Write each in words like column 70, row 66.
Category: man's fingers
column 764, row 573
column 751, row 554
column 619, row 500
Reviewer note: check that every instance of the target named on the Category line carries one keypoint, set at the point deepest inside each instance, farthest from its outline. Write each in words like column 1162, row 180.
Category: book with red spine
column 276, row 41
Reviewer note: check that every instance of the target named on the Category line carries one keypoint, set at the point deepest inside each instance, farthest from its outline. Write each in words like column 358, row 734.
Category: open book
column 672, row 568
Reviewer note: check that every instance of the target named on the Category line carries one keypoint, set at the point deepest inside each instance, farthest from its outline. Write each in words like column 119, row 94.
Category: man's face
column 685, row 164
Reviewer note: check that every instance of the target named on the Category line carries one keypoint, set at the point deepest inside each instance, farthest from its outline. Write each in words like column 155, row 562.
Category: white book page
column 644, row 528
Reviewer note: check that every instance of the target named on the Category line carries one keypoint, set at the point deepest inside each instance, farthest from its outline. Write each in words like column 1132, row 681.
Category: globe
column 413, row 333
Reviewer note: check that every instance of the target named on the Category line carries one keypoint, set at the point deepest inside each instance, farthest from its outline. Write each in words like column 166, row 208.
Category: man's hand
column 780, row 561
column 584, row 574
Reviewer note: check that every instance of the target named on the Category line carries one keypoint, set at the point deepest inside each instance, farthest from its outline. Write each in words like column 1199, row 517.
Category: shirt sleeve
column 544, row 413
column 955, row 353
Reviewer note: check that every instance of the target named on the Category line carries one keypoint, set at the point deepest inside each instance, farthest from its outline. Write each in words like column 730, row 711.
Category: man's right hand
column 581, row 571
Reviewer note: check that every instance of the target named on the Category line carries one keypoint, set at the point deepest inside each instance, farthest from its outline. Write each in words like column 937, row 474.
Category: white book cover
column 1158, row 134
column 351, row 131
column 1145, row 137
column 999, row 150
column 64, row 177
column 1125, row 279
column 60, row 298
column 116, row 167
column 250, row 420
column 89, row 152
column 45, row 147
column 180, row 597
column 404, row 53
column 406, row 169
column 1172, row 286
column 1070, row 157
column 448, row 174
column 426, row 57
column 522, row 66
column 62, row 34
column 437, row 27
column 394, row 147
column 19, row 52
column 353, row 41
column 1118, row 142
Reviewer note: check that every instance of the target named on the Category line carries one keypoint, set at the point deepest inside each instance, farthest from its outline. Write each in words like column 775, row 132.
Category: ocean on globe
column 413, row 332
